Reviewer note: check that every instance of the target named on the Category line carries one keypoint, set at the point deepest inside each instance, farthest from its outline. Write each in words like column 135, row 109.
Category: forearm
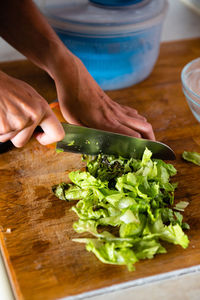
column 26, row 29
column 81, row 100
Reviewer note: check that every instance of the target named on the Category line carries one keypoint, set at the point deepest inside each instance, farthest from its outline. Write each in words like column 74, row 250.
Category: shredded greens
column 126, row 207
column 193, row 157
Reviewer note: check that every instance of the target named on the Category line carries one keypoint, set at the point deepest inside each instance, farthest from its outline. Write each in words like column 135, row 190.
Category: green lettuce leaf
column 126, row 205
column 181, row 205
column 193, row 157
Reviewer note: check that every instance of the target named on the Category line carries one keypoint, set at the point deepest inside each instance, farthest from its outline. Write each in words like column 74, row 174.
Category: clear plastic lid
column 85, row 17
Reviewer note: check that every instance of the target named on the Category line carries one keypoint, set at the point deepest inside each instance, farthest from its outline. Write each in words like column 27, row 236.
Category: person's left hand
column 83, row 102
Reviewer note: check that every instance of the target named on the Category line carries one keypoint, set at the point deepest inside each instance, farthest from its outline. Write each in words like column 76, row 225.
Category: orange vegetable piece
column 56, row 109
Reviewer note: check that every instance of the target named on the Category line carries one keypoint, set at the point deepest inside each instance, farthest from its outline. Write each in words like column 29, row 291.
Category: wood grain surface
column 36, row 228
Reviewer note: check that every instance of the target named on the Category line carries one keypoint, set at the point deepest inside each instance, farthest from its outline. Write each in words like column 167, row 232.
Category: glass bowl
column 190, row 78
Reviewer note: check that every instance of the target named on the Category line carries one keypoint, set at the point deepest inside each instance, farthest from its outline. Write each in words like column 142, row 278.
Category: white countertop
column 180, row 23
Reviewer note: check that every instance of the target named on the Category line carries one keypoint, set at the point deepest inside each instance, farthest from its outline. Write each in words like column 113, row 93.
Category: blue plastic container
column 119, row 46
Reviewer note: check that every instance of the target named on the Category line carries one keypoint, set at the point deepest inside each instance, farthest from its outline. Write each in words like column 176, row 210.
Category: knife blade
column 91, row 141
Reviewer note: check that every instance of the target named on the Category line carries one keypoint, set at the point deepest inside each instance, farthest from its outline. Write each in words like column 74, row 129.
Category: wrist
column 58, row 57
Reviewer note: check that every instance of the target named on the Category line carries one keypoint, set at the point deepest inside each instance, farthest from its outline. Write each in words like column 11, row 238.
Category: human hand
column 83, row 102
column 81, row 99
column 22, row 109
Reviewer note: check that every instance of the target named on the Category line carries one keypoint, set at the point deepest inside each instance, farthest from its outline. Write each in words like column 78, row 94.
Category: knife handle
column 6, row 146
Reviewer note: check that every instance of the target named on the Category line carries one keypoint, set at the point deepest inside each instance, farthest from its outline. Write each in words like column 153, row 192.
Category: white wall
column 180, row 23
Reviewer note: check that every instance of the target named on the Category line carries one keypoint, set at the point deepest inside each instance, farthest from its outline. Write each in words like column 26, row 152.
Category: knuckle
column 35, row 115
column 111, row 122
column 148, row 127
column 138, row 135
column 38, row 112
column 20, row 123
column 142, row 118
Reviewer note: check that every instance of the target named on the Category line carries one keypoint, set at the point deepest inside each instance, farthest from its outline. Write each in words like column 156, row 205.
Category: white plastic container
column 119, row 45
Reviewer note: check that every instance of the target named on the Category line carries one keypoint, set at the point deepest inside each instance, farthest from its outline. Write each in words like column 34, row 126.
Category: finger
column 126, row 109
column 53, row 130
column 6, row 137
column 131, row 112
column 70, row 117
column 22, row 138
column 128, row 112
column 122, row 129
column 137, row 116
column 144, row 128
column 129, row 109
column 73, row 120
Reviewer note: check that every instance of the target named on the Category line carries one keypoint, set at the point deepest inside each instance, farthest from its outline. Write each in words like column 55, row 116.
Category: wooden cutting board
column 36, row 228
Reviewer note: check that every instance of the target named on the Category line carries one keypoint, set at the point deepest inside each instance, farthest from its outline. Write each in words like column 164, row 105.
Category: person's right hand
column 22, row 109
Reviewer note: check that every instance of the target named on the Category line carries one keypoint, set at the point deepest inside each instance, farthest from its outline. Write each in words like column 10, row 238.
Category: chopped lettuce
column 181, row 205
column 193, row 157
column 126, row 206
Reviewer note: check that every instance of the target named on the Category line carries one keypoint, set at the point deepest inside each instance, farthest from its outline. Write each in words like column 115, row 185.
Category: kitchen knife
column 93, row 142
